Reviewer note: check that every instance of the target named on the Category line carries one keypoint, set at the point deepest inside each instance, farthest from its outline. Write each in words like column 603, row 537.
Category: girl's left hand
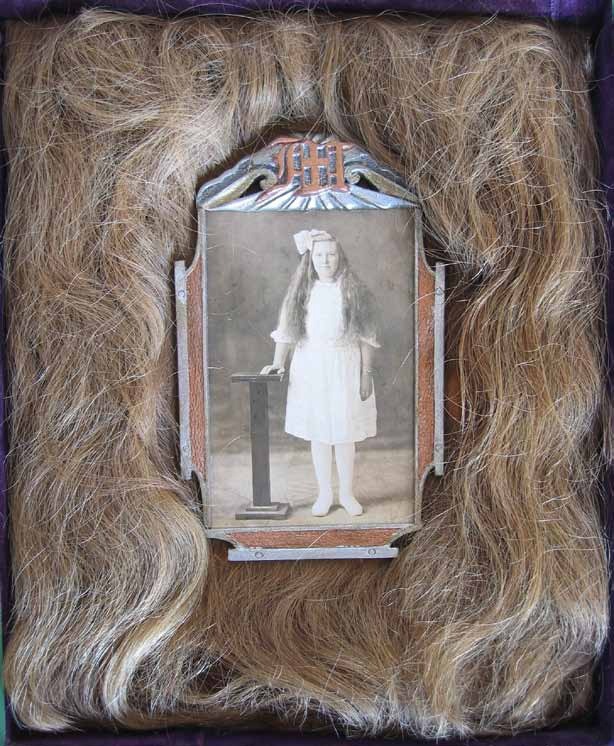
column 366, row 385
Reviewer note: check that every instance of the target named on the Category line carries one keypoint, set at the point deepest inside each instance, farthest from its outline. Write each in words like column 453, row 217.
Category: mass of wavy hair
column 358, row 304
column 493, row 615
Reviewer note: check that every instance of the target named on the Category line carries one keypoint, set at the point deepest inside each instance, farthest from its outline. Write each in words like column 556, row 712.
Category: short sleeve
column 279, row 335
column 283, row 333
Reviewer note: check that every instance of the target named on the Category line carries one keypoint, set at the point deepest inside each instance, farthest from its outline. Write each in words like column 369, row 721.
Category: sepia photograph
column 310, row 348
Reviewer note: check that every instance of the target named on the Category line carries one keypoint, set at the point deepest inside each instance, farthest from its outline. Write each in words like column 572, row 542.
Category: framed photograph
column 310, row 347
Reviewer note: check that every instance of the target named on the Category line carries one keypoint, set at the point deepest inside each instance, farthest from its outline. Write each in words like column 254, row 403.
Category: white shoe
column 322, row 505
column 351, row 504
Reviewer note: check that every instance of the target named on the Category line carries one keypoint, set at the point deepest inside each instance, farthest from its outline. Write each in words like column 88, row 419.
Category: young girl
column 329, row 315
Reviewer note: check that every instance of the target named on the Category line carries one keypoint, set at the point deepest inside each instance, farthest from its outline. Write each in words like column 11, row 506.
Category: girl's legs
column 322, row 455
column 344, row 456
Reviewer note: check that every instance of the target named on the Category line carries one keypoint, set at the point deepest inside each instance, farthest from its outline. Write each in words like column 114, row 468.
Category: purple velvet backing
column 596, row 730
column 604, row 110
column 581, row 11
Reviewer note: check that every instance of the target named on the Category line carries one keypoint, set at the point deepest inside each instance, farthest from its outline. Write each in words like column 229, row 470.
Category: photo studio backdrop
column 595, row 15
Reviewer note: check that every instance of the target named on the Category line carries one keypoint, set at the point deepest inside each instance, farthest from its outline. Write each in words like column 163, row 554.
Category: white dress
column 324, row 401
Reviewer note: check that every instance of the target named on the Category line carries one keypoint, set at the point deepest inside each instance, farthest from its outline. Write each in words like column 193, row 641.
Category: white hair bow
column 305, row 240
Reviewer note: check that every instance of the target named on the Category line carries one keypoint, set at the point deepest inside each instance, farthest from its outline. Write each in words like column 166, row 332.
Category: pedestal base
column 274, row 511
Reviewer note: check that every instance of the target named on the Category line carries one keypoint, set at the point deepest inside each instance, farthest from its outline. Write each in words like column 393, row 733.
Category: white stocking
column 344, row 456
column 322, row 455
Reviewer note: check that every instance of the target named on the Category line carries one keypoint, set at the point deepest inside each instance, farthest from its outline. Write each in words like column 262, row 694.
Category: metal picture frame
column 297, row 179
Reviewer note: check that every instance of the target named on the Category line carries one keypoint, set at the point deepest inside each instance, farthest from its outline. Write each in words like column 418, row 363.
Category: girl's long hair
column 358, row 303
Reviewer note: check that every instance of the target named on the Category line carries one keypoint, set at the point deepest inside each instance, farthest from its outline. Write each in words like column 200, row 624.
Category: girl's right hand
column 268, row 369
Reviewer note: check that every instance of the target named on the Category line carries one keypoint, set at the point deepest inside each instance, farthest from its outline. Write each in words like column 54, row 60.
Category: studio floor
column 383, row 484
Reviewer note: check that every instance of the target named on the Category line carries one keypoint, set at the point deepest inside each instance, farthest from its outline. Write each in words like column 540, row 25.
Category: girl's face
column 325, row 258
